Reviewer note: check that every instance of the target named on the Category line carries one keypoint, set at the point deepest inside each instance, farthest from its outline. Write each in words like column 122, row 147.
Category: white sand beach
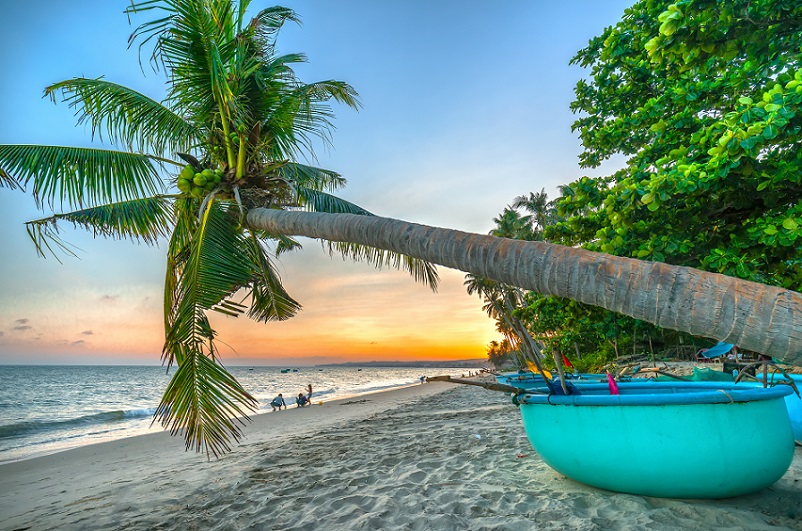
column 432, row 456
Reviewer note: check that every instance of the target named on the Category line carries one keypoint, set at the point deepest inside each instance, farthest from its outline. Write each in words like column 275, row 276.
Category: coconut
column 184, row 185
column 199, row 179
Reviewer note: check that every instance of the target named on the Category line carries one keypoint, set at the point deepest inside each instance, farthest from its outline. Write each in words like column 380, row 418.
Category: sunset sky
column 465, row 107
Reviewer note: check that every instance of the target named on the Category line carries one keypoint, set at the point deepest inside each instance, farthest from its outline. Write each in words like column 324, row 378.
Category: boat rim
column 677, row 394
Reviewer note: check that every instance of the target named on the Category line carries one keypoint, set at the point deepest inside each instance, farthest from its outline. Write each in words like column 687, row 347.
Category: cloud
column 109, row 298
column 87, row 333
column 78, row 343
column 22, row 327
column 22, row 321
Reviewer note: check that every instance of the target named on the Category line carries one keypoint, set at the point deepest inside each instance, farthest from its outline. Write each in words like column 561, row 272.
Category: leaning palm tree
column 228, row 137
column 757, row 317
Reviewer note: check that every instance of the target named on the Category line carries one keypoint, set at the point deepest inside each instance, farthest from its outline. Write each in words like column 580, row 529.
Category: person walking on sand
column 278, row 402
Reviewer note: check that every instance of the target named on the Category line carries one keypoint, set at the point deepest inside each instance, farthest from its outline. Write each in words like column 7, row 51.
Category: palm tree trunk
column 757, row 317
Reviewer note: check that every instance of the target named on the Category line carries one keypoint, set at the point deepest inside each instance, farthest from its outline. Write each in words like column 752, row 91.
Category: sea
column 47, row 409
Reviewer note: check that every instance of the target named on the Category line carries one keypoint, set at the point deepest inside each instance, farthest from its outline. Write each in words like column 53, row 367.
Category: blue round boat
column 664, row 439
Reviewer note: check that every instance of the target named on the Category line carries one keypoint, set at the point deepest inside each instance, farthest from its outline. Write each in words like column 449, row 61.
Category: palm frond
column 269, row 300
column 205, row 404
column 217, row 266
column 285, row 244
column 268, row 22
column 178, row 252
column 311, row 177
column 192, row 41
column 420, row 270
column 322, row 202
column 7, row 181
column 304, row 114
column 79, row 176
column 127, row 116
column 140, row 220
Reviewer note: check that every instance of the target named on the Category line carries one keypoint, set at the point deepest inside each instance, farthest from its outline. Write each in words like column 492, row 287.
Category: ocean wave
column 18, row 429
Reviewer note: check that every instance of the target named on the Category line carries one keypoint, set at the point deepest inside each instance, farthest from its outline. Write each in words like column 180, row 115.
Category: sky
column 465, row 107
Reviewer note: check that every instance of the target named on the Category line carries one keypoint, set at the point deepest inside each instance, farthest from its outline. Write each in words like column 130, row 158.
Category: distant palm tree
column 500, row 301
column 537, row 204
column 511, row 224
column 237, row 116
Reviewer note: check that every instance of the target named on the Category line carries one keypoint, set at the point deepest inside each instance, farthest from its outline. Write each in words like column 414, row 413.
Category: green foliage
column 705, row 99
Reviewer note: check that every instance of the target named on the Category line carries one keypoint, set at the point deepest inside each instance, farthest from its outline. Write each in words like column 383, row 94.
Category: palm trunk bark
column 756, row 317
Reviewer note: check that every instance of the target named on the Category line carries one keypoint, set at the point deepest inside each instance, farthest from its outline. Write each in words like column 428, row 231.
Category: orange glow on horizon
column 362, row 315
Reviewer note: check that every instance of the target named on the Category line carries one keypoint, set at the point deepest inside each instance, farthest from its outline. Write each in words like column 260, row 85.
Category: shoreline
column 65, row 424
column 431, row 456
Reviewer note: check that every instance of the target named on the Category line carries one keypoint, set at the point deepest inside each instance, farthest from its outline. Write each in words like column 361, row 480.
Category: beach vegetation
column 703, row 99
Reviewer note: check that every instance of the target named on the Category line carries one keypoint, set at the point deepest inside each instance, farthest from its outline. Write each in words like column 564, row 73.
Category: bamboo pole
column 487, row 385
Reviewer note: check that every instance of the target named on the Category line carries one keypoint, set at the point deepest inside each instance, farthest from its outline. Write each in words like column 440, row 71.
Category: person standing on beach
column 278, row 402
column 309, row 395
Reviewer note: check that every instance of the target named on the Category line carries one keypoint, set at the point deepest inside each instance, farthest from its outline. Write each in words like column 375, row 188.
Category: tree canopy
column 704, row 99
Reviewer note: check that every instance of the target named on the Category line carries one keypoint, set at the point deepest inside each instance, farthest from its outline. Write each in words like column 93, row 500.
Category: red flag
column 566, row 362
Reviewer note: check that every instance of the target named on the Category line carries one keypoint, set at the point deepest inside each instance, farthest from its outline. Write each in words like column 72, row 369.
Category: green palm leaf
column 311, row 177
column 303, row 114
column 195, row 40
column 323, row 202
column 232, row 105
column 218, row 264
column 269, row 300
column 178, row 252
column 268, row 22
column 140, row 220
column 205, row 404
column 127, row 116
column 285, row 244
column 79, row 176
column 211, row 262
column 421, row 271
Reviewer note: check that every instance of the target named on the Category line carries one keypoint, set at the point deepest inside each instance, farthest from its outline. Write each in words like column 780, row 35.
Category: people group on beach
column 301, row 401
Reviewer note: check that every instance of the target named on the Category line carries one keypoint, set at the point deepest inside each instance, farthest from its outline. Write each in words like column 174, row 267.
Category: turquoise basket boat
column 664, row 439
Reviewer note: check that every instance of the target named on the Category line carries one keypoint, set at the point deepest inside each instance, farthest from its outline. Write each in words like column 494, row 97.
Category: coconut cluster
column 198, row 183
